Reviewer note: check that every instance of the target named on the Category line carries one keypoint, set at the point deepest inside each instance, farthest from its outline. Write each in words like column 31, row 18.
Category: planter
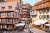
column 43, row 12
column 43, row 18
column 46, row 18
column 46, row 12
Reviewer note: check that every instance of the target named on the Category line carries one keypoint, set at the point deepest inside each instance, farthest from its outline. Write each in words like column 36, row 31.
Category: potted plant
column 46, row 12
column 40, row 18
column 43, row 12
column 40, row 13
column 43, row 18
column 46, row 18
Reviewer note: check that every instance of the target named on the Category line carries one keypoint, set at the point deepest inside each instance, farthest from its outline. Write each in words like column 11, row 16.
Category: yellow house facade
column 41, row 10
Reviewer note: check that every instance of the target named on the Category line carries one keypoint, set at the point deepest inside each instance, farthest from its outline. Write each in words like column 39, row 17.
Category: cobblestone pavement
column 12, row 32
column 38, row 31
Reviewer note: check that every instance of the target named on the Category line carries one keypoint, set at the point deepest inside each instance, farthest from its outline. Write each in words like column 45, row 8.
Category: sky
column 31, row 2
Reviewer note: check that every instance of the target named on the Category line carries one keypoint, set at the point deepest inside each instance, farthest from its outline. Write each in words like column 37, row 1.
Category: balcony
column 9, row 22
column 43, row 7
column 33, row 13
column 25, row 10
column 2, row 22
column 24, row 18
column 6, row 16
column 25, row 13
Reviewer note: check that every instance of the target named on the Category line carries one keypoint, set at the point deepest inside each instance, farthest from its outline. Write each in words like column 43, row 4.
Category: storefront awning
column 47, row 24
column 20, row 24
column 39, row 22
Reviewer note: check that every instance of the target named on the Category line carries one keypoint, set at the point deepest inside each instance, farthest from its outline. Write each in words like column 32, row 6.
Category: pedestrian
column 34, row 31
column 30, row 30
column 27, row 31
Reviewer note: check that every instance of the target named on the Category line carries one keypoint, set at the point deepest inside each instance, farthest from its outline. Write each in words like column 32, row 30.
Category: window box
column 40, row 18
column 46, row 18
column 43, row 18
column 40, row 13
column 46, row 12
column 43, row 12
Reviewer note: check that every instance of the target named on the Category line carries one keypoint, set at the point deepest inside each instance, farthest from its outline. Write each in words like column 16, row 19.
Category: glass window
column 2, row 14
column 20, row 11
column 16, row 20
column 47, row 16
column 44, row 16
column 44, row 10
column 47, row 10
column 46, row 4
column 8, row 13
column 17, row 14
column 2, row 20
column 9, row 20
column 42, row 5
column 39, row 6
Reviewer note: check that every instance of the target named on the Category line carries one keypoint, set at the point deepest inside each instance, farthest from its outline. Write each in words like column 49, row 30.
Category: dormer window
column 3, row 7
column 9, row 7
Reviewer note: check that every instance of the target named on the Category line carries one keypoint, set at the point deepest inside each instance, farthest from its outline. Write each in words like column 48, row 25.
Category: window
column 42, row 5
column 3, row 8
column 39, row 6
column 9, row 20
column 46, row 4
column 47, row 10
column 20, row 11
column 2, row 20
column 2, row 14
column 9, row 7
column 24, row 6
column 17, row 14
column 8, row 13
column 47, row 16
column 44, row 16
column 16, row 20
column 44, row 10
